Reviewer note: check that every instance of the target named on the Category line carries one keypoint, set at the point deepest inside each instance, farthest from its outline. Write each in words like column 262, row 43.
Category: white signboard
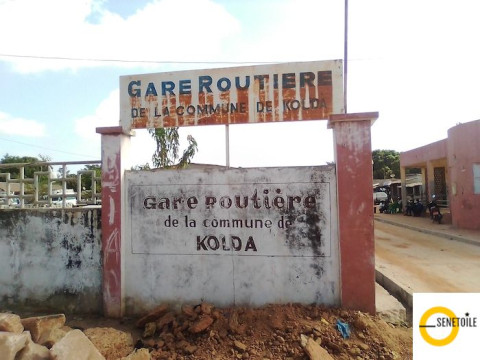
column 273, row 219
column 232, row 236
column 263, row 93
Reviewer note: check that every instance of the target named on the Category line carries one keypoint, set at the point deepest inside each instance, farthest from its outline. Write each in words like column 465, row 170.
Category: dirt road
column 426, row 263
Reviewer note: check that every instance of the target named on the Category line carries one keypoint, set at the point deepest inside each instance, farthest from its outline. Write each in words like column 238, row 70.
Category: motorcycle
column 435, row 214
column 384, row 207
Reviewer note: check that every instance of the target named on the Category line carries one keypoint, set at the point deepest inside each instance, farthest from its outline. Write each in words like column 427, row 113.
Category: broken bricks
column 153, row 315
column 196, row 319
column 313, row 349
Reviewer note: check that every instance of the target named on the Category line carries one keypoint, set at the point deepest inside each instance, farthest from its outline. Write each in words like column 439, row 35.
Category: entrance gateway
column 238, row 236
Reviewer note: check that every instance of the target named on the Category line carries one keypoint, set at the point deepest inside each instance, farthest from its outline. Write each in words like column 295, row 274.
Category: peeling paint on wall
column 232, row 236
column 51, row 259
column 250, row 94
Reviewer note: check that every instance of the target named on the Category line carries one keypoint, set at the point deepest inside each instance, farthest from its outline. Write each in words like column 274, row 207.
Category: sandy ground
column 426, row 263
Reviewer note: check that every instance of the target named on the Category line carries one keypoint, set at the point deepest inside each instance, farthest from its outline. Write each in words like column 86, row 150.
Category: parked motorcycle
column 383, row 207
column 434, row 210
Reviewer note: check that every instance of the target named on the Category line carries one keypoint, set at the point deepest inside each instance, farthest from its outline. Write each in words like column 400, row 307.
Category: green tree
column 385, row 163
column 29, row 170
column 141, row 167
column 87, row 178
column 166, row 154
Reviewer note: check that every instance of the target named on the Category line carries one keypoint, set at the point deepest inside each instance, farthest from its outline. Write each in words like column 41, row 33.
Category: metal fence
column 37, row 185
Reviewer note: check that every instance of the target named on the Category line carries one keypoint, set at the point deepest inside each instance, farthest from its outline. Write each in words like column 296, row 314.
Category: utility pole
column 345, row 58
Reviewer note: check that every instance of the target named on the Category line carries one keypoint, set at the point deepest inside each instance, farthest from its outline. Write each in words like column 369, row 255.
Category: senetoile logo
column 435, row 320
column 446, row 325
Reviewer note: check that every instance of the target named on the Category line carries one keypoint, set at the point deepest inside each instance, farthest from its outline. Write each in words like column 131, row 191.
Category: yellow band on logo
column 423, row 330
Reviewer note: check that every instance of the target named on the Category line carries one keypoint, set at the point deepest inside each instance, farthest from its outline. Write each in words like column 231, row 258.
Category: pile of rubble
column 47, row 338
column 289, row 331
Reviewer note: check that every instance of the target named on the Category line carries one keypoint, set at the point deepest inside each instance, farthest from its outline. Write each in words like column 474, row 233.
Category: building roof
column 410, row 181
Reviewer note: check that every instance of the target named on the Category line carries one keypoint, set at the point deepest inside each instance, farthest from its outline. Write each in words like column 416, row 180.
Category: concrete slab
column 388, row 307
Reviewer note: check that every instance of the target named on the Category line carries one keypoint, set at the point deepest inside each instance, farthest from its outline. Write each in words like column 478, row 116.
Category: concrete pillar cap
column 338, row 118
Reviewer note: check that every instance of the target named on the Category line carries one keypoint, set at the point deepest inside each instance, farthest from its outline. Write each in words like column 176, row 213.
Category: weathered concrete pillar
column 353, row 158
column 425, row 188
column 430, row 180
column 403, row 177
column 115, row 151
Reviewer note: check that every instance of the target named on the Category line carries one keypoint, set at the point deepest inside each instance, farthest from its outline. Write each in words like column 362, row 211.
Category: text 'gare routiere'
column 239, row 96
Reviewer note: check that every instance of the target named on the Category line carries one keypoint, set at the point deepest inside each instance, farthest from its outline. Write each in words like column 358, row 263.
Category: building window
column 440, row 184
column 476, row 178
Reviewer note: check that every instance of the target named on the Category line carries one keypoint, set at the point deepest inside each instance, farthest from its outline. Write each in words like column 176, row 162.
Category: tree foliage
column 167, row 154
column 29, row 170
column 87, row 178
column 385, row 164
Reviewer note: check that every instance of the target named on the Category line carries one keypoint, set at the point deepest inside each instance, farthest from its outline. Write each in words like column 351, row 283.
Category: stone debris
column 153, row 315
column 205, row 308
column 45, row 330
column 201, row 324
column 313, row 349
column 33, row 351
column 46, row 338
column 11, row 344
column 166, row 319
column 189, row 311
column 240, row 346
column 172, row 328
column 11, row 323
column 149, row 330
column 138, row 354
column 75, row 346
column 112, row 343
column 205, row 332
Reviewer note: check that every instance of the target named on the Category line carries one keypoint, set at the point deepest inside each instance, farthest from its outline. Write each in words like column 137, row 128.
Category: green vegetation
column 385, row 164
column 29, row 170
column 166, row 154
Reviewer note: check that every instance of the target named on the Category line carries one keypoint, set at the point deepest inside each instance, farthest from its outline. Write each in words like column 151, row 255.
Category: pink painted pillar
column 115, row 145
column 353, row 158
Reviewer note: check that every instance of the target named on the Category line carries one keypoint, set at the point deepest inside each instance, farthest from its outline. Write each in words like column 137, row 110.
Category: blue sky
column 416, row 62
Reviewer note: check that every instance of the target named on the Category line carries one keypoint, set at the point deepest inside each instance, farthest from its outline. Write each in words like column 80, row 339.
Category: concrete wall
column 458, row 154
column 155, row 277
column 176, row 251
column 50, row 260
column 463, row 153
column 419, row 156
column 427, row 157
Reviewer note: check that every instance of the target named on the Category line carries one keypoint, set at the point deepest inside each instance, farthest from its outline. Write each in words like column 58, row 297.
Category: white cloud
column 10, row 125
column 107, row 113
column 163, row 30
column 294, row 30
